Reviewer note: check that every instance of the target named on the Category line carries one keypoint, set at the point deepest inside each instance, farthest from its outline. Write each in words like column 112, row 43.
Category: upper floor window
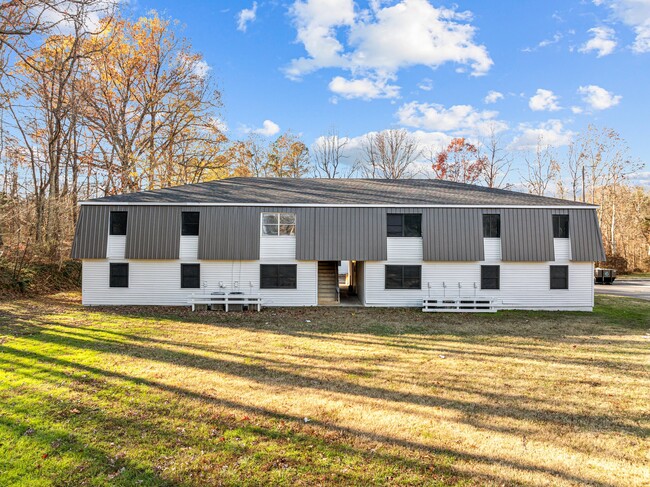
column 560, row 226
column 404, row 224
column 190, row 223
column 118, row 223
column 492, row 226
column 278, row 224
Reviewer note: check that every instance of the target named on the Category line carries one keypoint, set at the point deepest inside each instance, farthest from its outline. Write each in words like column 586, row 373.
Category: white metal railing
column 455, row 305
column 226, row 300
column 459, row 301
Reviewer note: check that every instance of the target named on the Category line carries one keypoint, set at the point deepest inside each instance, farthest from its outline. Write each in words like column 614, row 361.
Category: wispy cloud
column 246, row 16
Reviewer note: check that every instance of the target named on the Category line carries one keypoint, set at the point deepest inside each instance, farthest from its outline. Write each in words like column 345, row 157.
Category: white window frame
column 279, row 224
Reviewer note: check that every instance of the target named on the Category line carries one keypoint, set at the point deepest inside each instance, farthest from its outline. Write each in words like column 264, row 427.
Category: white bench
column 226, row 300
column 459, row 305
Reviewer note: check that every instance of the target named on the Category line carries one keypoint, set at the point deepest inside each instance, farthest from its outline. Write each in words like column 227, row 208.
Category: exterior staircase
column 328, row 283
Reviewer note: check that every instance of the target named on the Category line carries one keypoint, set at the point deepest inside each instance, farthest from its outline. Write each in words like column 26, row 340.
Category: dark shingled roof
column 290, row 191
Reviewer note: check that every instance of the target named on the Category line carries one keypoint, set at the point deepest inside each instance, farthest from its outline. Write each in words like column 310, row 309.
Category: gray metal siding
column 153, row 232
column 229, row 233
column 585, row 236
column 452, row 234
column 91, row 233
column 341, row 233
column 527, row 235
column 233, row 233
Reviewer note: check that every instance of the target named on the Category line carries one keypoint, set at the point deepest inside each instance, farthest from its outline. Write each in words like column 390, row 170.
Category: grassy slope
column 169, row 397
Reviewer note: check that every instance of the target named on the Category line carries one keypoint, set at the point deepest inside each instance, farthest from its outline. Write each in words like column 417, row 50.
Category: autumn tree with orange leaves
column 460, row 161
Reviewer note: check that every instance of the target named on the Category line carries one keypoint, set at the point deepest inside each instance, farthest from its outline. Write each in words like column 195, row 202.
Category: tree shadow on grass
column 289, row 432
column 442, row 456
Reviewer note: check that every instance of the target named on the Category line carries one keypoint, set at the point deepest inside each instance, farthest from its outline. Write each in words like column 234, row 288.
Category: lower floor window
column 490, row 277
column 278, row 276
column 119, row 275
column 190, row 275
column 559, row 277
column 403, row 277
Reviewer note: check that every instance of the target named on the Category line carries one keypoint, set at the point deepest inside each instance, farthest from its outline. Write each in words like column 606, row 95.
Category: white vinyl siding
column 280, row 249
column 562, row 249
column 115, row 247
column 524, row 285
column 492, row 247
column 404, row 249
column 189, row 248
column 158, row 282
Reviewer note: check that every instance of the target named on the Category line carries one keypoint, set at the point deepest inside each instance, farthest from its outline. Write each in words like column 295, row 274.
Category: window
column 119, row 275
column 490, row 275
column 404, row 225
column 190, row 224
column 278, row 224
column 559, row 277
column 492, row 226
column 191, row 276
column 560, row 226
column 278, row 276
column 403, row 277
column 118, row 223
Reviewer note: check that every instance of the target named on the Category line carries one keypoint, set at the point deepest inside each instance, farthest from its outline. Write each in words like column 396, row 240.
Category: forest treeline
column 93, row 104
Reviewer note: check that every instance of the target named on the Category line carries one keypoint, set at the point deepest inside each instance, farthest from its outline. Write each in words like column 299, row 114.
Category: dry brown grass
column 337, row 395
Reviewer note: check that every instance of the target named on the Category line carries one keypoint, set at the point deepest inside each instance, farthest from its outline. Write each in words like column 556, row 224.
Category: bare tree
column 328, row 153
column 575, row 168
column 390, row 154
column 542, row 169
column 498, row 160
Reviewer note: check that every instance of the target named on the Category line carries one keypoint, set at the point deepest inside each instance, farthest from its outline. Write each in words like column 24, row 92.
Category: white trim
column 327, row 205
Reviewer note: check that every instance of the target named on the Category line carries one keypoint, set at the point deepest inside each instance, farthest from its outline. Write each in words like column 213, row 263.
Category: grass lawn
column 163, row 396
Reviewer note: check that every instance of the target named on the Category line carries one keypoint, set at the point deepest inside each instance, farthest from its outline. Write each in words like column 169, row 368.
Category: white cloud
column 246, row 16
column 427, row 141
column 459, row 119
column 267, row 129
column 557, row 37
column 641, row 178
column 219, row 124
column 426, row 84
column 364, row 88
column 201, row 68
column 550, row 133
column 61, row 16
column 634, row 14
column 598, row 98
column 603, row 41
column 576, row 110
column 493, row 97
column 544, row 100
column 379, row 41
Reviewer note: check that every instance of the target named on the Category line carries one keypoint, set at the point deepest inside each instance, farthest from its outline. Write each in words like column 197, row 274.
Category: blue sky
column 552, row 66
